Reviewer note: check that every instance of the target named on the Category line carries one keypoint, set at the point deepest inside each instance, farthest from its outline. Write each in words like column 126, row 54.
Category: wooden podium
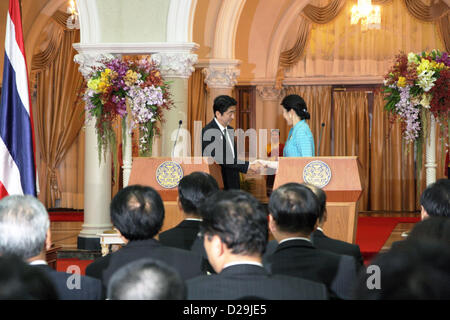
column 143, row 172
column 343, row 191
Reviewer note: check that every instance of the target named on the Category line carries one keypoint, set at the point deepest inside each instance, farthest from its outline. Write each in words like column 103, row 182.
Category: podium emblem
column 169, row 174
column 317, row 173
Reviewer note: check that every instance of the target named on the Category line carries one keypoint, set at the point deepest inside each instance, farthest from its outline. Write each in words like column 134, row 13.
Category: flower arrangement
column 416, row 84
column 131, row 89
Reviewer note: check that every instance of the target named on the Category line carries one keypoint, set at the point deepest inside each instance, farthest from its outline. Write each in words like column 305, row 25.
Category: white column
column 97, row 177
column 127, row 150
column 176, row 67
column 270, row 96
column 430, row 155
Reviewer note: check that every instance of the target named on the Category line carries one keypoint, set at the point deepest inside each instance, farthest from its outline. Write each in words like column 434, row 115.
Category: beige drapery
column 325, row 14
column 311, row 14
column 58, row 110
column 341, row 50
column 351, row 133
column 392, row 173
column 196, row 103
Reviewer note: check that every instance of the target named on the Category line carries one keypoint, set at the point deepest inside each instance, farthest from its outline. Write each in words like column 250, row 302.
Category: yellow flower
column 101, row 86
column 401, row 82
column 130, row 77
column 93, row 84
column 424, row 66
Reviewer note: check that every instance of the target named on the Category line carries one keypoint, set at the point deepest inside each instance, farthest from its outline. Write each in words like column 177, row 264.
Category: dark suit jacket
column 199, row 249
column 182, row 236
column 245, row 280
column 321, row 241
column 223, row 154
column 188, row 264
column 299, row 258
column 89, row 288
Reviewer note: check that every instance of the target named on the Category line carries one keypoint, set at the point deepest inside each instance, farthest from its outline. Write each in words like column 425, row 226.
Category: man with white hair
column 25, row 232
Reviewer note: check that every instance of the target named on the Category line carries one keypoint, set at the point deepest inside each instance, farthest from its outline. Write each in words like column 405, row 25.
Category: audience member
column 146, row 279
column 321, row 241
column 435, row 199
column 25, row 232
column 412, row 270
column 20, row 281
column 433, row 228
column 293, row 214
column 137, row 212
column 235, row 235
column 192, row 190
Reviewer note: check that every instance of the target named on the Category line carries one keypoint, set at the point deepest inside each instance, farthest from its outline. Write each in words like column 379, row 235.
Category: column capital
column 89, row 61
column 175, row 64
column 268, row 92
column 221, row 73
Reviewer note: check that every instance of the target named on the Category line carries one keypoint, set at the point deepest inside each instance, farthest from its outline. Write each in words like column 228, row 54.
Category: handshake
column 259, row 166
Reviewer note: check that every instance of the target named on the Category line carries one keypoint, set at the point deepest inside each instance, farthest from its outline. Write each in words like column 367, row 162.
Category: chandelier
column 72, row 21
column 369, row 15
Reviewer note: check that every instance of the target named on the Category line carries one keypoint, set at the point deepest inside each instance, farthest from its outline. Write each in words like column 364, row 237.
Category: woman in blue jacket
column 300, row 141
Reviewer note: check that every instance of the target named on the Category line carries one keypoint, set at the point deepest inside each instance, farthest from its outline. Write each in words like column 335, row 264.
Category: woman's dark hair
column 296, row 103
column 137, row 212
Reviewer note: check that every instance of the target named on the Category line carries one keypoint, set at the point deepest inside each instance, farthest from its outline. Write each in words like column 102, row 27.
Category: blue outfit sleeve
column 304, row 141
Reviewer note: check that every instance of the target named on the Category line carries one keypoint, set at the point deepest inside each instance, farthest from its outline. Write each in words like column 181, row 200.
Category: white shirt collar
column 193, row 219
column 221, row 127
column 242, row 262
column 319, row 228
column 294, row 238
column 228, row 136
column 38, row 262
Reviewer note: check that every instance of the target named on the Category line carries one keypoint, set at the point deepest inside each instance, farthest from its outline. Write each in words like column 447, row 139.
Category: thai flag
column 17, row 163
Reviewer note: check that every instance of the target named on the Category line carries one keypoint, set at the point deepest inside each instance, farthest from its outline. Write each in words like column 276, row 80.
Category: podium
column 144, row 170
column 343, row 191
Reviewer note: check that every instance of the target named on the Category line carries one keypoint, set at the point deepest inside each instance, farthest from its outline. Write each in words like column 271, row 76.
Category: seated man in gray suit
column 235, row 236
column 25, row 232
column 192, row 190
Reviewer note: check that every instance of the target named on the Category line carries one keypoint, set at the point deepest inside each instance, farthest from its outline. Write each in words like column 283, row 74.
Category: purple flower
column 444, row 58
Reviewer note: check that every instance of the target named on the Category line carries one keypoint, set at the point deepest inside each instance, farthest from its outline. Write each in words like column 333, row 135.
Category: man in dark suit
column 25, row 232
column 218, row 143
column 293, row 213
column 321, row 241
column 137, row 212
column 192, row 190
column 20, row 281
column 235, row 235
column 435, row 200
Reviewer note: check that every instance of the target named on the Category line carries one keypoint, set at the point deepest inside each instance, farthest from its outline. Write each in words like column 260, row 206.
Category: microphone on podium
column 320, row 138
column 176, row 139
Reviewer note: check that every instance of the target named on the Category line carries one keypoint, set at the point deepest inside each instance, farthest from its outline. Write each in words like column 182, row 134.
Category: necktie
column 227, row 142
